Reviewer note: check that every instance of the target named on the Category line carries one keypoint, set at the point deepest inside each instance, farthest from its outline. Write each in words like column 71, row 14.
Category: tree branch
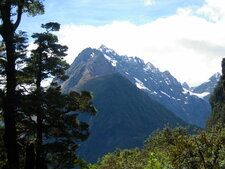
column 202, row 157
column 19, row 14
column 25, row 89
column 216, row 157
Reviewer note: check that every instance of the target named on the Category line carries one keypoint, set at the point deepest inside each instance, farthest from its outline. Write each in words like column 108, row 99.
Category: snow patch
column 103, row 48
column 112, row 61
column 168, row 82
column 200, row 95
column 154, row 92
column 140, row 84
column 92, row 54
column 186, row 91
column 165, row 94
column 150, row 67
column 107, row 57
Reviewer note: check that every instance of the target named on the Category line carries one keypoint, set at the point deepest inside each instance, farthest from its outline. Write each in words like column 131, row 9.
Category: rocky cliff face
column 159, row 86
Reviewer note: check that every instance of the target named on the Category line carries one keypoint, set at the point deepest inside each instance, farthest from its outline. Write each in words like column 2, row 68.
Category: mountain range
column 134, row 98
column 188, row 104
column 126, row 116
column 205, row 89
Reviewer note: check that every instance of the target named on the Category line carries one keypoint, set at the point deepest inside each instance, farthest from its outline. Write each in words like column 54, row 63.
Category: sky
column 186, row 37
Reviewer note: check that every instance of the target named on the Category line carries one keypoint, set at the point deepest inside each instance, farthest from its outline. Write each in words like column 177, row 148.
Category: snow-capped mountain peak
column 203, row 90
column 216, row 77
column 208, row 86
column 106, row 50
column 150, row 67
column 160, row 86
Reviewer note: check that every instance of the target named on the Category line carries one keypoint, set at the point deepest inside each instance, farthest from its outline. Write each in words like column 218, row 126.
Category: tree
column 45, row 62
column 10, row 15
column 20, row 42
column 128, row 159
column 217, row 101
column 2, row 152
column 53, row 130
column 202, row 150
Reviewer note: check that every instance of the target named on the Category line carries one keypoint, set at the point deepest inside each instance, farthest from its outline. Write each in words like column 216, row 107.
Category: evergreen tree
column 10, row 15
column 20, row 43
column 217, row 101
column 49, row 117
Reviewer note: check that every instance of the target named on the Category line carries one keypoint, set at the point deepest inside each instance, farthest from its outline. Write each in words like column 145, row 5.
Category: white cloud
column 184, row 11
column 190, row 47
column 149, row 2
column 214, row 10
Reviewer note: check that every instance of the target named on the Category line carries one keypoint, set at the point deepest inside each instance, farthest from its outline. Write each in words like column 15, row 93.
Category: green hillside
column 125, row 119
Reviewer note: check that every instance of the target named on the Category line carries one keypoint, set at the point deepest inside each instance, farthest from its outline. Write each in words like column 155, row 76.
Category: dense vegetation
column 171, row 149
column 39, row 126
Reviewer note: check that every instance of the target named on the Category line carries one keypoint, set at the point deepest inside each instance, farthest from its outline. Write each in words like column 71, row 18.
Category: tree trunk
column 10, row 100
column 30, row 156
column 40, row 157
column 39, row 151
column 9, row 105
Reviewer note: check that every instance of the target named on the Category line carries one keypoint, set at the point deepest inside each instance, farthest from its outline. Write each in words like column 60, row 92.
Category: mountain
column 209, row 85
column 186, row 86
column 159, row 86
column 90, row 63
column 133, row 98
column 125, row 119
column 205, row 89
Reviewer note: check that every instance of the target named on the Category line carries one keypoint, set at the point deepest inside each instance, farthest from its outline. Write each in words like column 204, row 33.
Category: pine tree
column 20, row 43
column 50, row 118
column 11, row 14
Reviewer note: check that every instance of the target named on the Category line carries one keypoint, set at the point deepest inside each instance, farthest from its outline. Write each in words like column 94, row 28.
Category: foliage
column 47, row 127
column 127, row 159
column 202, row 150
column 172, row 148
column 10, row 18
column 217, row 101
column 46, row 60
column 48, row 119
column 123, row 159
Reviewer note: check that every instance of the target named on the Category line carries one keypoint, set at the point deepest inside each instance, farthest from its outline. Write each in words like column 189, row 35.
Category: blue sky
column 101, row 12
column 185, row 37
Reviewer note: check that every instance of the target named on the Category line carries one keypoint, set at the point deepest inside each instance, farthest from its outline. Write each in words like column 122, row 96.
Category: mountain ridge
column 205, row 89
column 126, row 116
column 160, row 86
column 134, row 98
